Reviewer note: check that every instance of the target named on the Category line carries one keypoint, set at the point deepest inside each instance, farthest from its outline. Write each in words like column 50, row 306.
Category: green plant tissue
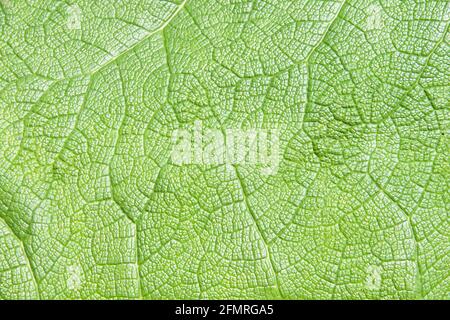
column 218, row 149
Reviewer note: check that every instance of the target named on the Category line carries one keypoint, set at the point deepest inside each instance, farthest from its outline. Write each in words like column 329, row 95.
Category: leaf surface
column 92, row 207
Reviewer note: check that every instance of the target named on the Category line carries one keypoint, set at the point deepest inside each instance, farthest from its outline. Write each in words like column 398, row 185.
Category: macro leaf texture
column 92, row 207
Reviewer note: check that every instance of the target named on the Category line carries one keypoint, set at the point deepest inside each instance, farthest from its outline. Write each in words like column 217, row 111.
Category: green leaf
column 93, row 207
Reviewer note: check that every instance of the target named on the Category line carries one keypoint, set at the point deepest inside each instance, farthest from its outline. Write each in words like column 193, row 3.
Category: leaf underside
column 91, row 206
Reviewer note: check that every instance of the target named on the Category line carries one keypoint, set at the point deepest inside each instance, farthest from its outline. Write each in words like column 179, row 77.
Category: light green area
column 91, row 206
